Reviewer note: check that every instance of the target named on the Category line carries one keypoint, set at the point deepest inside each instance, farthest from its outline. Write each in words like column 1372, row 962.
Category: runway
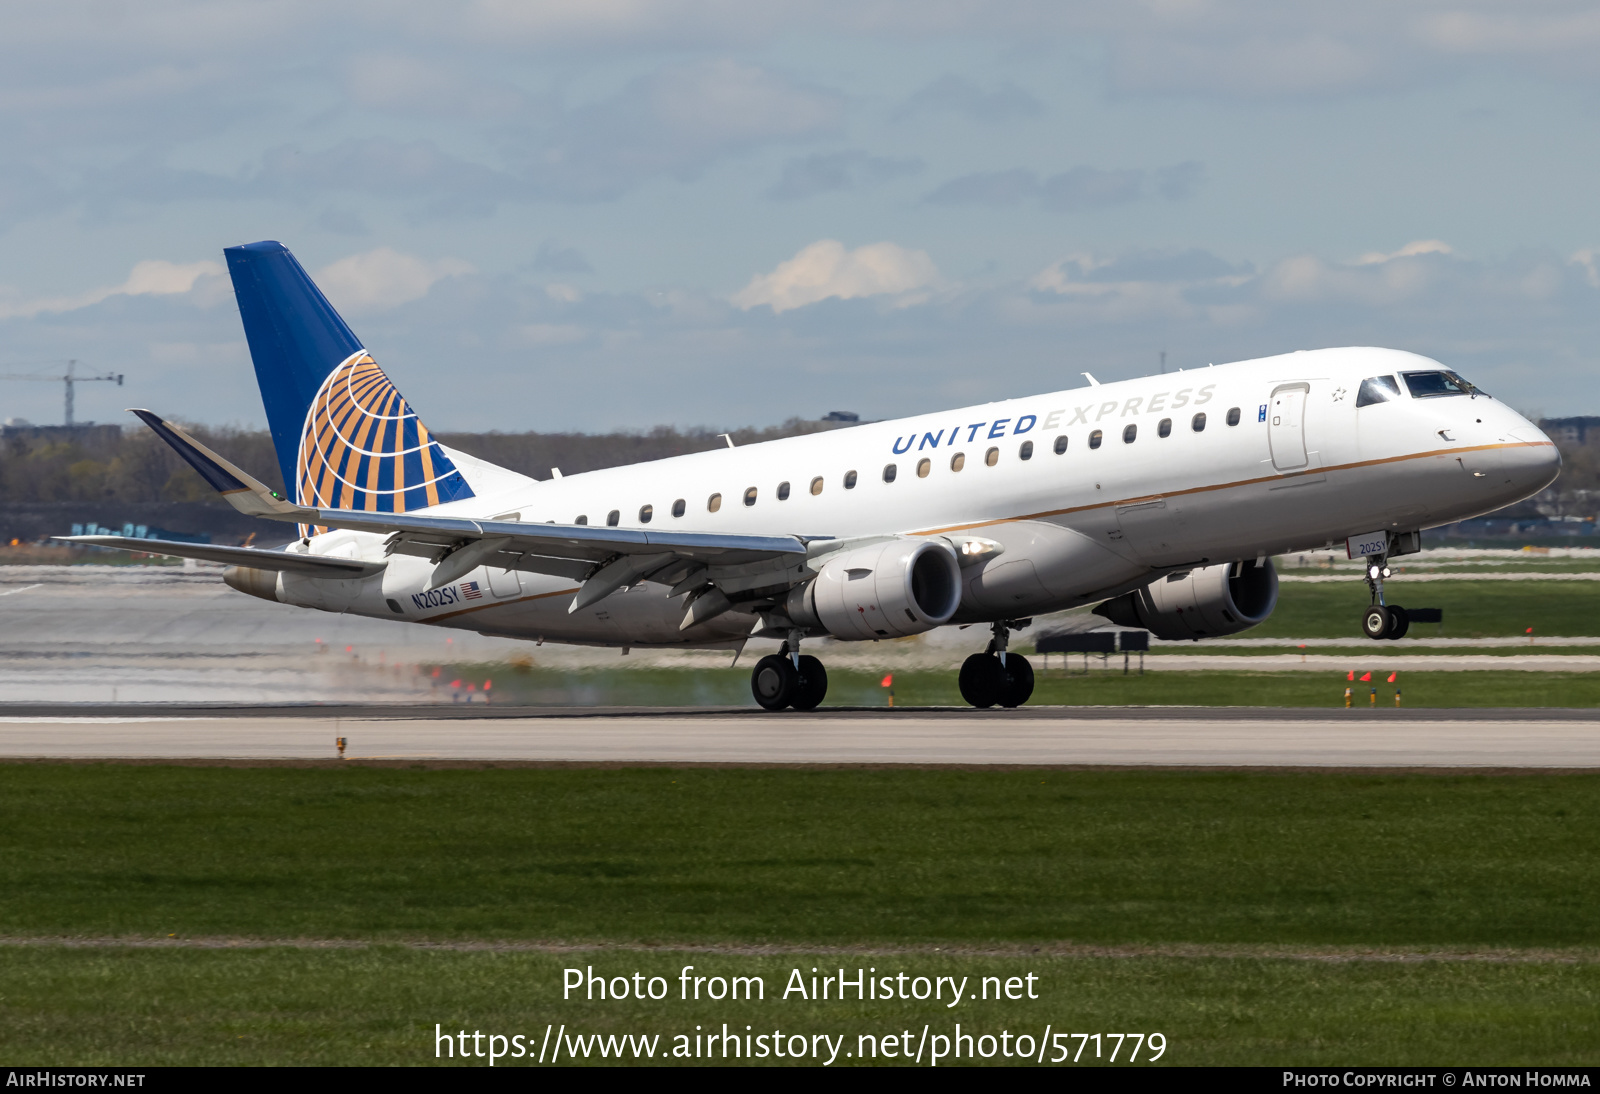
column 1147, row 737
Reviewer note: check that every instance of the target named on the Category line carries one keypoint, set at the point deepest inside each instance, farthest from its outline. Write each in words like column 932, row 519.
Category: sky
column 612, row 214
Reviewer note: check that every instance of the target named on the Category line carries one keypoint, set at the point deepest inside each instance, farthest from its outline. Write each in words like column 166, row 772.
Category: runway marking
column 89, row 720
column 25, row 588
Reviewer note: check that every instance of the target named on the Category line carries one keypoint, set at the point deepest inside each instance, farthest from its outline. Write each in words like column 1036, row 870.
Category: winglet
column 243, row 492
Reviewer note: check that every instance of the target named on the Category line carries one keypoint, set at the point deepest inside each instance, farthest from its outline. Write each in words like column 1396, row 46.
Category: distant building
column 851, row 416
column 1571, row 430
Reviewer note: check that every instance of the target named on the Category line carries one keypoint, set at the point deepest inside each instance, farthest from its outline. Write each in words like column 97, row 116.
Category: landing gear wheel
column 983, row 681
column 812, row 685
column 1399, row 623
column 1376, row 621
column 1019, row 680
column 773, row 682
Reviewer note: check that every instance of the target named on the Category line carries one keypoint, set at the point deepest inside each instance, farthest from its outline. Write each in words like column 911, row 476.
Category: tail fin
column 345, row 438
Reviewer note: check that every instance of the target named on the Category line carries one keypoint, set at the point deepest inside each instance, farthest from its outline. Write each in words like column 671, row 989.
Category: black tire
column 1399, row 623
column 812, row 685
column 1019, row 681
column 982, row 680
column 1375, row 622
column 773, row 682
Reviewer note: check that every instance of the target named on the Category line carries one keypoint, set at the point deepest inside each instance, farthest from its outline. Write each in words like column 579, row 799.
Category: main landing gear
column 1382, row 621
column 789, row 679
column 995, row 676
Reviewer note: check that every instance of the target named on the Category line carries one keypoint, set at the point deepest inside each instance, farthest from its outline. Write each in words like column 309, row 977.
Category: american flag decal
column 470, row 590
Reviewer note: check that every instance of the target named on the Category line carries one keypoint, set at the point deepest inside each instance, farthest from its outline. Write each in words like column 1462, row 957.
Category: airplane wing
column 605, row 559
column 259, row 558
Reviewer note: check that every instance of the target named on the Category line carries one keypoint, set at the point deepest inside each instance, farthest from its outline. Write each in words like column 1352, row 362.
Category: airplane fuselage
column 1078, row 495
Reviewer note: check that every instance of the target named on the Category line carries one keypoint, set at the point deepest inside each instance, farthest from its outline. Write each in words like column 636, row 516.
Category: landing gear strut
column 789, row 678
column 995, row 676
column 1382, row 621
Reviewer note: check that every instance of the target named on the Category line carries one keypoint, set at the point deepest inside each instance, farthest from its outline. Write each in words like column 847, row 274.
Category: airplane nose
column 1534, row 462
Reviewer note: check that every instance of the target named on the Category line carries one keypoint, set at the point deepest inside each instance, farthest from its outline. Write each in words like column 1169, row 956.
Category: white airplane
column 1162, row 498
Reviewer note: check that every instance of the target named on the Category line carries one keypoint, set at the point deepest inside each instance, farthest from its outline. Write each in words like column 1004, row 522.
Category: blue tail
column 346, row 439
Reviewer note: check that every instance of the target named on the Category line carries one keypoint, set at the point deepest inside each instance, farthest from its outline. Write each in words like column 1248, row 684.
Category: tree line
column 106, row 463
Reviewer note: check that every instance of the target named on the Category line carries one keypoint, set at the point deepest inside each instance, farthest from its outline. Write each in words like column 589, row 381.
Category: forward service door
column 1286, row 426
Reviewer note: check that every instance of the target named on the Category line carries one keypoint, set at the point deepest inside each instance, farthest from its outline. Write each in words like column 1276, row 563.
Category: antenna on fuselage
column 727, row 437
column 1092, row 381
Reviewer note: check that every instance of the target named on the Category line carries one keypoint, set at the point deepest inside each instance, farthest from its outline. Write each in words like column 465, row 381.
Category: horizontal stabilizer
column 255, row 557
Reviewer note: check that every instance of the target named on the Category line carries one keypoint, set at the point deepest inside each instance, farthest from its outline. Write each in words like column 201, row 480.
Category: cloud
column 552, row 258
column 674, row 123
column 1090, row 188
column 153, row 277
column 399, row 84
column 822, row 172
column 1418, row 247
column 951, row 94
column 826, row 270
column 381, row 279
column 1079, row 188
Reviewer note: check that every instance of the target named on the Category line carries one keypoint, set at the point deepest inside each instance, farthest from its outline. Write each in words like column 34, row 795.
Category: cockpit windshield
column 1377, row 389
column 1431, row 385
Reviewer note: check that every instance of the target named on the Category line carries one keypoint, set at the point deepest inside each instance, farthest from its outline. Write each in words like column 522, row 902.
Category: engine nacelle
column 1204, row 603
column 903, row 586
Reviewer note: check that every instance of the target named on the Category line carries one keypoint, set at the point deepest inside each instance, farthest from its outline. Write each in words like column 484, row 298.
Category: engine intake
column 903, row 586
column 1205, row 603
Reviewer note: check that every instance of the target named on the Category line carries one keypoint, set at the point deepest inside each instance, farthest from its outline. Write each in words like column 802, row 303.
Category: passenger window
column 750, row 496
column 1165, row 428
column 1233, row 415
column 889, row 472
column 849, row 480
column 1061, row 444
column 992, row 457
column 613, row 517
column 958, row 461
column 816, row 485
column 582, row 519
column 1094, row 439
column 678, row 507
column 1026, row 451
column 923, row 467
column 1429, row 385
column 1129, row 433
column 783, row 491
column 1198, row 422
column 1377, row 389
column 645, row 513
column 713, row 503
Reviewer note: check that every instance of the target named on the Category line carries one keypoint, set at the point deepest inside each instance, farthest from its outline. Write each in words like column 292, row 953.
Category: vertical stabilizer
column 345, row 438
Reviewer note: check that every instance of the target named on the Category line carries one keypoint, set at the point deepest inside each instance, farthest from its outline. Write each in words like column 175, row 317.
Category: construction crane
column 70, row 378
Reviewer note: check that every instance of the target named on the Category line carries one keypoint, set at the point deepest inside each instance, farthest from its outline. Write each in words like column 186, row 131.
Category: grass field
column 1472, row 609
column 1239, row 687
column 1204, row 884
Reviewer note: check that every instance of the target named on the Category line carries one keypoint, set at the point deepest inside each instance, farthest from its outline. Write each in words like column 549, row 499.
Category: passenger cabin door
column 1286, row 426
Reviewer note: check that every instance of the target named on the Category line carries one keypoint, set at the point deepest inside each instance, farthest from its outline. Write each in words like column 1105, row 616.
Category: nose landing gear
column 1382, row 621
column 995, row 676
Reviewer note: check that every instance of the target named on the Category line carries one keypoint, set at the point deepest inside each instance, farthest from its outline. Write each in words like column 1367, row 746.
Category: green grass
column 800, row 857
column 1100, row 687
column 380, row 1006
column 1472, row 609
column 1240, row 906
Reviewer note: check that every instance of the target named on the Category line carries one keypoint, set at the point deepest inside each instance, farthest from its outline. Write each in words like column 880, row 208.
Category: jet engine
column 902, row 586
column 1204, row 603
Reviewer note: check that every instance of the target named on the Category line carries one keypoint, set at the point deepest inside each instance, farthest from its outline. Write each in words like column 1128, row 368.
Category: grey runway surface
column 1178, row 737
